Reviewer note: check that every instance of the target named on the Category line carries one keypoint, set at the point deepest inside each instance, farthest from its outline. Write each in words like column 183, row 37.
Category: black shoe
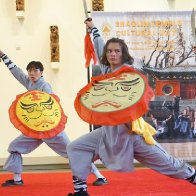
column 80, row 193
column 100, row 182
column 192, row 179
column 12, row 183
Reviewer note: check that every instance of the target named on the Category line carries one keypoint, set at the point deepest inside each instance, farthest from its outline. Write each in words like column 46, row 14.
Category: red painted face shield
column 114, row 98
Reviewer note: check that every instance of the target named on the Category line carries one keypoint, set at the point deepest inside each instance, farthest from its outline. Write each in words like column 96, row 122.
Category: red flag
column 89, row 51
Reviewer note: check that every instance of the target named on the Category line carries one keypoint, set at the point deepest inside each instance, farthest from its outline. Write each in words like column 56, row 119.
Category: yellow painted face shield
column 37, row 114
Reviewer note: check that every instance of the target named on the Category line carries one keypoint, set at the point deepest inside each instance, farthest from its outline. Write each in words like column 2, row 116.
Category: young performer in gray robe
column 24, row 144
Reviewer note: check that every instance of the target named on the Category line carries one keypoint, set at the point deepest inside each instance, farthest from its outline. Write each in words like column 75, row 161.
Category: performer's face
column 34, row 74
column 114, row 54
column 39, row 111
column 115, row 93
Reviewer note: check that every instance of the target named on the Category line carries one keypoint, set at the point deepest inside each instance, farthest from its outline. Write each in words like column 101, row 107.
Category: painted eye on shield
column 98, row 87
column 48, row 107
column 126, row 88
column 30, row 110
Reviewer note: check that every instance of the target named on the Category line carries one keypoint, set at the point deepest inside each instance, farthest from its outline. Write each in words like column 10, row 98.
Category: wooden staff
column 88, row 68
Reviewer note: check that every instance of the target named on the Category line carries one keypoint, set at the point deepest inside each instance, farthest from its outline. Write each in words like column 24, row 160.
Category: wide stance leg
column 81, row 153
column 21, row 145
column 156, row 158
column 58, row 143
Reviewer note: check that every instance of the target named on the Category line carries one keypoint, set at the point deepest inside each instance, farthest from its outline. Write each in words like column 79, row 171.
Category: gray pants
column 25, row 145
column 82, row 151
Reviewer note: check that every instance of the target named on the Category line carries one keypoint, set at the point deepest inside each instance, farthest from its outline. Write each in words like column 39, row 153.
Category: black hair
column 36, row 65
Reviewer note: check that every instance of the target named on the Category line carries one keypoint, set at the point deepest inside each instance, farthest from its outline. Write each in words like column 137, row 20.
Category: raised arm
column 6, row 60
column 97, row 39
column 16, row 71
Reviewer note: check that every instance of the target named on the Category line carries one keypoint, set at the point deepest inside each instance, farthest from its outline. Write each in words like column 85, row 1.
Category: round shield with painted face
column 37, row 114
column 114, row 98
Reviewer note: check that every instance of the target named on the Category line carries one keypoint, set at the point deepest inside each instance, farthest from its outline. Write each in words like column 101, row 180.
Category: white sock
column 96, row 172
column 17, row 177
